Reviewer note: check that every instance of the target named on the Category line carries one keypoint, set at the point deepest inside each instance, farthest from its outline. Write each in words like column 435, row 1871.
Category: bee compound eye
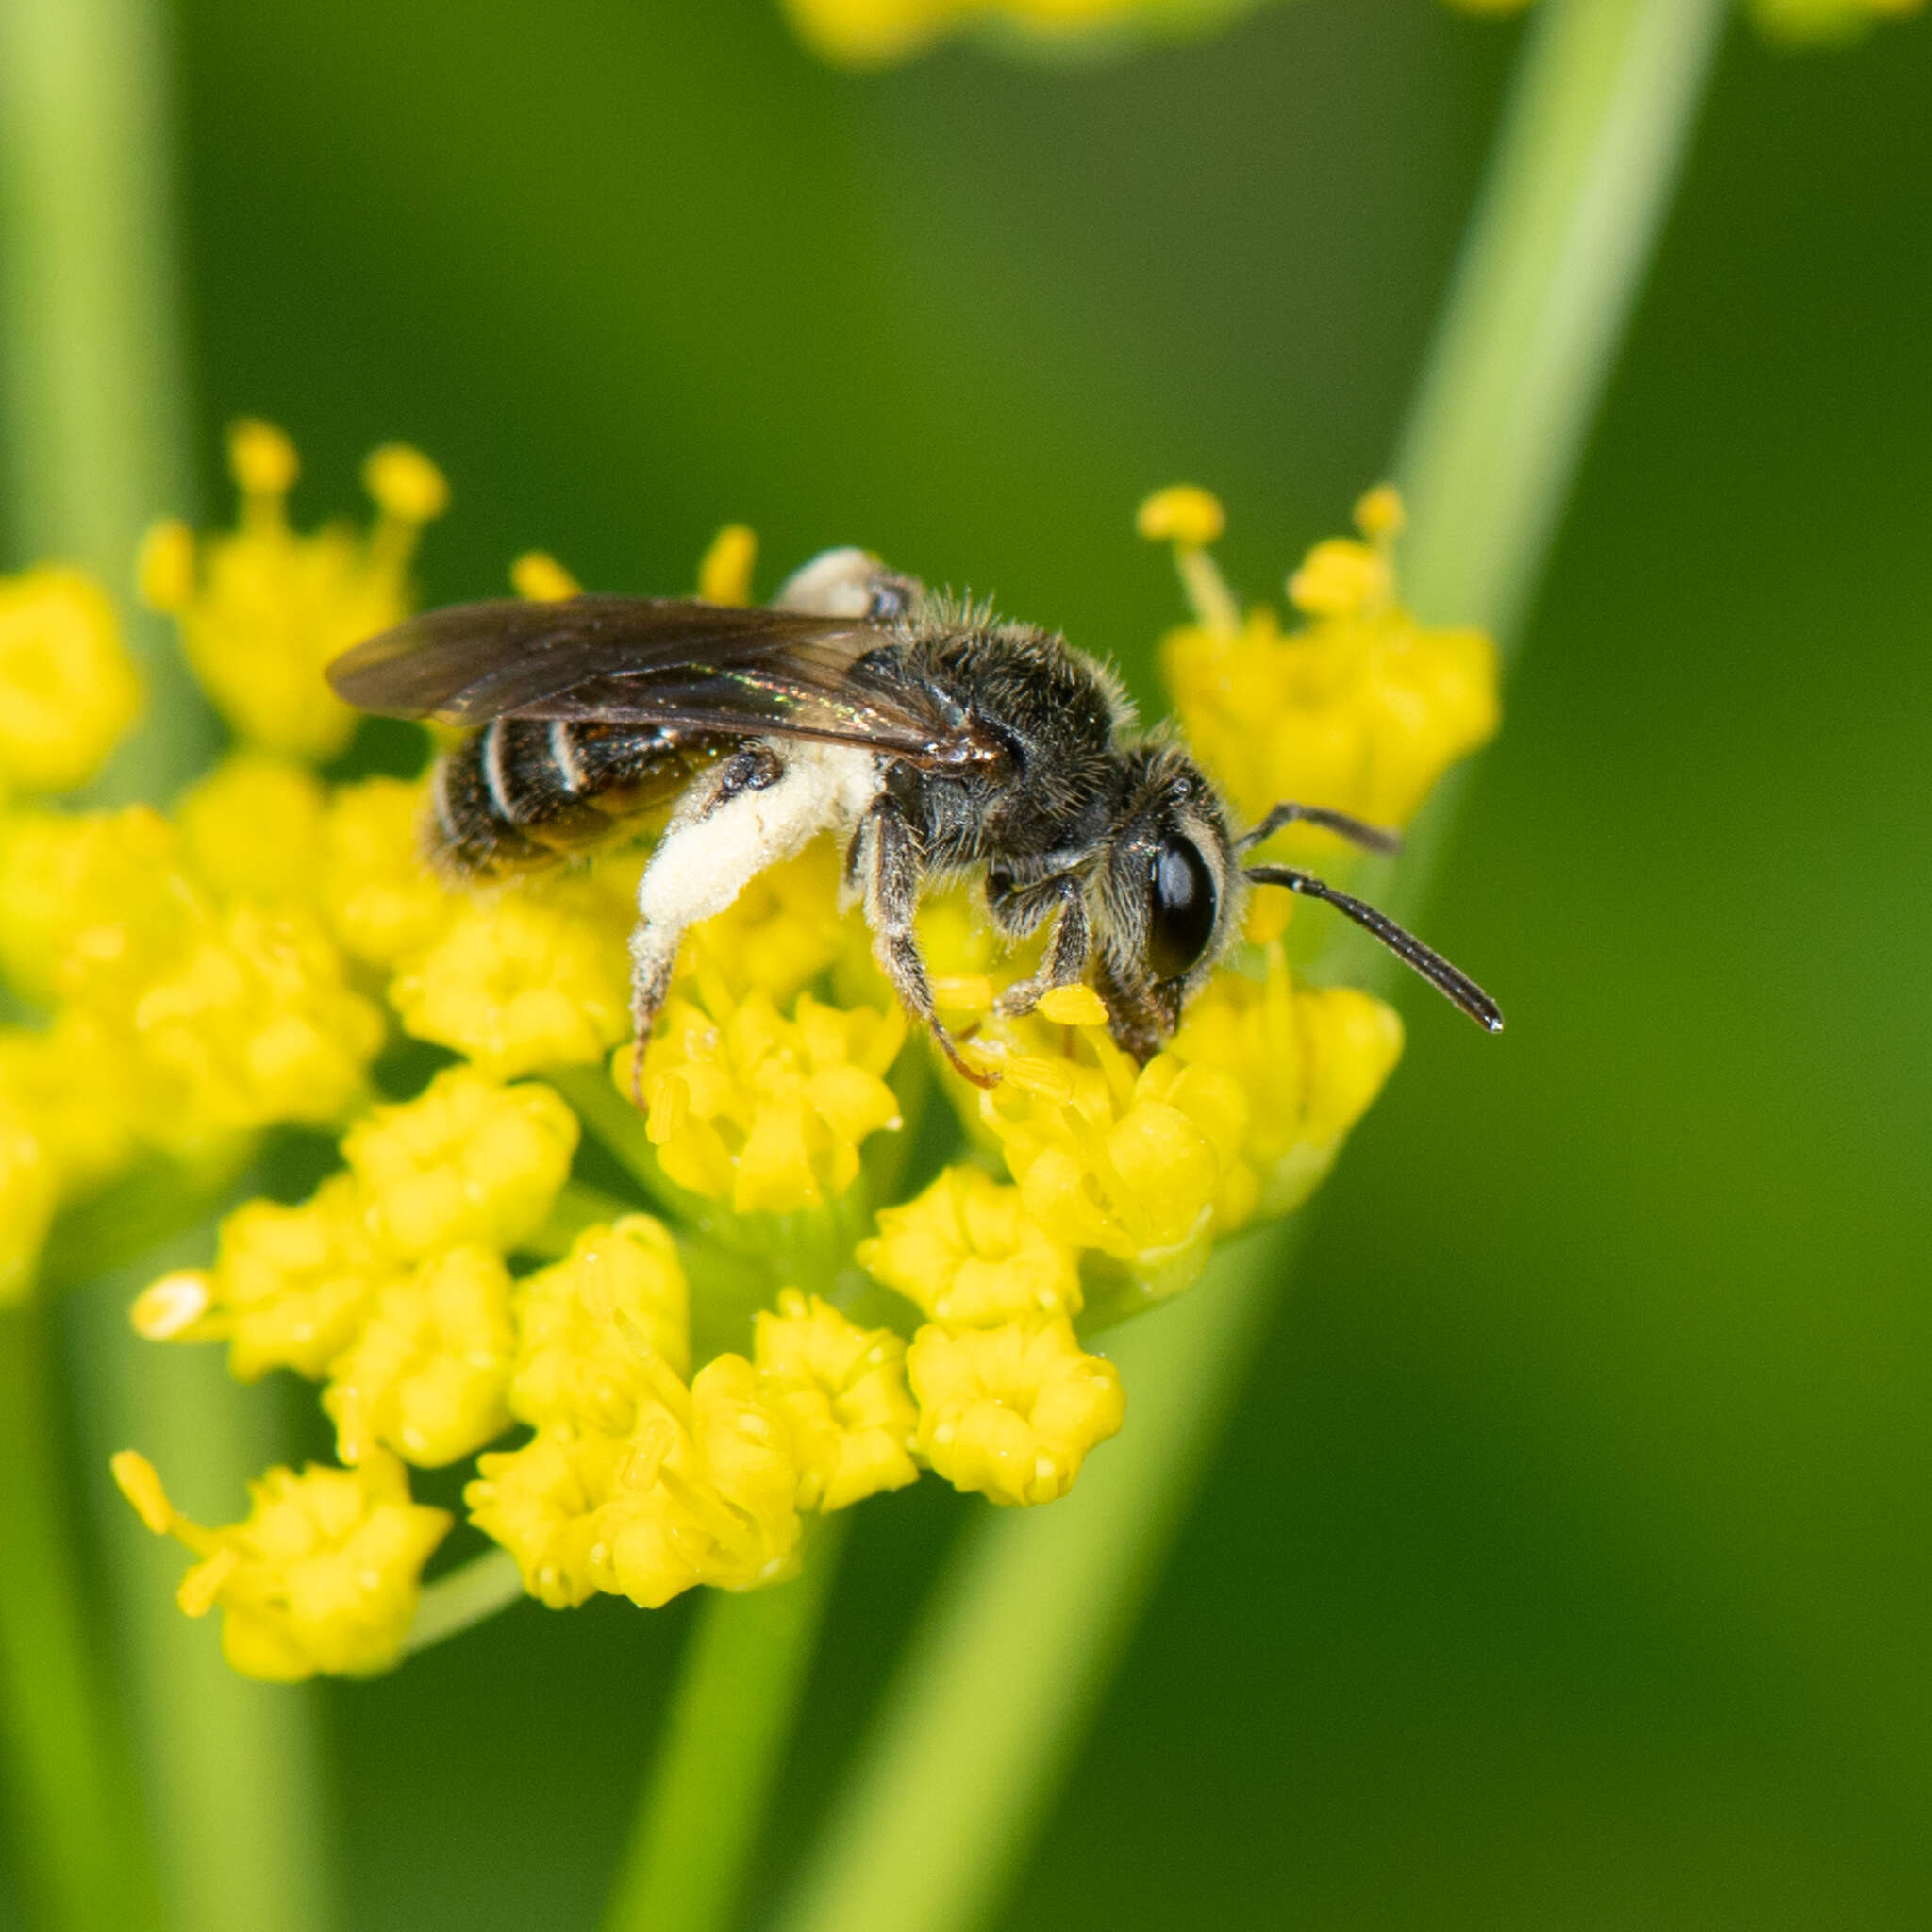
column 1182, row 908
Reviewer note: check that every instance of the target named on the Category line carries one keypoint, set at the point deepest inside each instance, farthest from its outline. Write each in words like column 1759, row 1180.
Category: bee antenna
column 1449, row 980
column 1370, row 838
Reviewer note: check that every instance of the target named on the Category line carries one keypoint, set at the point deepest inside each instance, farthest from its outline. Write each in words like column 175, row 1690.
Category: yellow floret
column 290, row 1287
column 426, row 1376
column 841, row 1391
column 262, row 610
column 1011, row 1411
column 725, row 572
column 543, row 1502
column 253, row 829
column 379, row 896
column 91, row 892
column 969, row 1256
column 68, row 688
column 701, row 1488
column 1341, row 577
column 467, row 1161
column 1182, row 513
column 581, row 1323
column 516, row 985
column 28, row 1187
column 322, row 1574
column 537, row 576
column 404, row 484
column 767, row 1110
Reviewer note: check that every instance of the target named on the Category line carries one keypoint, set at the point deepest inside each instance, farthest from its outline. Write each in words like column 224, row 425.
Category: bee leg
column 653, row 958
column 1017, row 911
column 885, row 854
column 739, row 817
column 1132, row 1018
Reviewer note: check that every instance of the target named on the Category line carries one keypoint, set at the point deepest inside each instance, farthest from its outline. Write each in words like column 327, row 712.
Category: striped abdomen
column 522, row 790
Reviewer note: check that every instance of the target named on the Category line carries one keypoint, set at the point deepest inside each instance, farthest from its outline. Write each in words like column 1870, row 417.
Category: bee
column 934, row 739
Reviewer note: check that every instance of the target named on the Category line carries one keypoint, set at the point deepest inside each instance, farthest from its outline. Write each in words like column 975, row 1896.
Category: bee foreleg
column 885, row 855
column 1018, row 910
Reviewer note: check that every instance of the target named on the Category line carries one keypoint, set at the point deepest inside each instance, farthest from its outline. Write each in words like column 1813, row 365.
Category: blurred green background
column 1567, row 1562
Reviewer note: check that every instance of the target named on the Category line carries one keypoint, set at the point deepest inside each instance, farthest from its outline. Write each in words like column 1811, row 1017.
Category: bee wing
column 641, row 660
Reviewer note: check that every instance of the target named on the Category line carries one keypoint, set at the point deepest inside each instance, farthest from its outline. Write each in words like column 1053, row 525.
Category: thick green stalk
column 994, row 1697
column 95, row 400
column 68, row 1783
column 1581, row 179
column 91, row 356
column 723, row 1736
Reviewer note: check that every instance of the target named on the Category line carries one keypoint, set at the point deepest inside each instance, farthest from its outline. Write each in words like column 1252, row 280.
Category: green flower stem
column 94, row 448
column 1583, row 175
column 69, row 1786
column 723, row 1736
column 236, row 1792
column 993, row 1699
column 470, row 1594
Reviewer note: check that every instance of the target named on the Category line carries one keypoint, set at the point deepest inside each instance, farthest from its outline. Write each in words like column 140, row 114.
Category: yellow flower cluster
column 213, row 972
column 1359, row 708
column 642, row 1484
column 177, row 1021
column 389, row 1265
column 320, row 1576
column 191, row 985
column 744, row 1104
column 1142, row 1168
column 1008, row 1401
column 263, row 609
column 875, row 33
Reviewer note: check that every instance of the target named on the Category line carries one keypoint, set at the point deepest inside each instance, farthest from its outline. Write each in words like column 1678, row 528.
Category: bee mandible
column 931, row 738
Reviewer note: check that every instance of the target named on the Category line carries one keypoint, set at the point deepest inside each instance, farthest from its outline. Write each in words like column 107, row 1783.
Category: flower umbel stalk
column 1580, row 183
column 722, row 1741
column 68, row 1785
column 943, row 1804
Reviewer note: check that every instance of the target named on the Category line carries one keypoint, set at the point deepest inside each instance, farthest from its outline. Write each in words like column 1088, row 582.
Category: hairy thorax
column 1055, row 715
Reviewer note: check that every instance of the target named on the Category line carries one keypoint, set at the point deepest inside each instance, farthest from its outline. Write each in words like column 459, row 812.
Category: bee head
column 1170, row 886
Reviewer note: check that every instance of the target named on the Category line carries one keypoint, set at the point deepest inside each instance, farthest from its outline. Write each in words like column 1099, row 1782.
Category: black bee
column 932, row 738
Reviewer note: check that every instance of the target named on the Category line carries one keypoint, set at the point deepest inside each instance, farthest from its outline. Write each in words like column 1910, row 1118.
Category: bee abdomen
column 523, row 791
